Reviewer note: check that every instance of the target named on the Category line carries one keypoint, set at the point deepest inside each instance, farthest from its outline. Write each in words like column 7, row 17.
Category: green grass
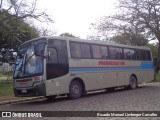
column 3, row 76
column 6, row 89
column 158, row 77
column 7, row 94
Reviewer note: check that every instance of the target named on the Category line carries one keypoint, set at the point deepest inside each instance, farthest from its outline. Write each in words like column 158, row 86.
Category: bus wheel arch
column 133, row 81
column 76, row 85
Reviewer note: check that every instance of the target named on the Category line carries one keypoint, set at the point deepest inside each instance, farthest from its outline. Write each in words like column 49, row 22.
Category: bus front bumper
column 38, row 90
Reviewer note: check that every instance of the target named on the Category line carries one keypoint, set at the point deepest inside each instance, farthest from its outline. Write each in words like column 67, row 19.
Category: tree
column 14, row 15
column 15, row 32
column 46, row 32
column 142, row 16
column 22, row 9
column 14, row 19
column 154, row 49
column 11, row 39
column 130, row 39
column 68, row 35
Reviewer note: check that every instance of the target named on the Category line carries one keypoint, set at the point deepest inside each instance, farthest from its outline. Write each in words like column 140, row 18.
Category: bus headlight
column 37, row 78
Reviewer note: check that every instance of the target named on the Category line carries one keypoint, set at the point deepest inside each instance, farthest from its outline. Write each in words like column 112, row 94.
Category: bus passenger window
column 75, row 49
column 86, row 51
column 115, row 53
column 129, row 54
column 138, row 54
column 144, row 55
column 104, row 52
column 79, row 50
column 96, row 51
column 148, row 55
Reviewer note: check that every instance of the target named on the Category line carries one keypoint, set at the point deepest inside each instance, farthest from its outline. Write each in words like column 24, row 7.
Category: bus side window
column 129, row 54
column 120, row 53
column 86, row 51
column 148, row 55
column 75, row 49
column 112, row 52
column 144, row 55
column 96, row 51
column 104, row 51
column 115, row 53
column 138, row 54
column 52, row 55
column 57, row 59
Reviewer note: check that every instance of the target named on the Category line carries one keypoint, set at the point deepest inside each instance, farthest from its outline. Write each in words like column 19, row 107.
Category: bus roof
column 89, row 41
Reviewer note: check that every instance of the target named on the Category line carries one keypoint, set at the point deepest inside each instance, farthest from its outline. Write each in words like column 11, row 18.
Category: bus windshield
column 28, row 64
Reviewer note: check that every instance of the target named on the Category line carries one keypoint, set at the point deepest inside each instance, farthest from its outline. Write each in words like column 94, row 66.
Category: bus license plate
column 24, row 91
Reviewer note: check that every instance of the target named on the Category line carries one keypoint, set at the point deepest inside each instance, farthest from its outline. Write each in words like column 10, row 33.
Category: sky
column 75, row 16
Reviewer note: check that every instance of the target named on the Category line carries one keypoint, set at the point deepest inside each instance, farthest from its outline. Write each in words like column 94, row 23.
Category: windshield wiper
column 19, row 70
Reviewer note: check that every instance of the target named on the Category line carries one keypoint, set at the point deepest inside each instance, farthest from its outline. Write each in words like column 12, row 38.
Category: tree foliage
column 23, row 9
column 130, row 39
column 68, row 35
column 153, row 48
column 140, row 18
column 15, row 32
column 14, row 15
column 46, row 32
column 14, row 19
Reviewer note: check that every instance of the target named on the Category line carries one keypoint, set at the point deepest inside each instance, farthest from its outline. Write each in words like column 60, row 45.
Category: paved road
column 145, row 98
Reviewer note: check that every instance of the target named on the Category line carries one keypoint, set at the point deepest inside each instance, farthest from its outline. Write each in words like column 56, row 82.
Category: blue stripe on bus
column 147, row 65
column 144, row 66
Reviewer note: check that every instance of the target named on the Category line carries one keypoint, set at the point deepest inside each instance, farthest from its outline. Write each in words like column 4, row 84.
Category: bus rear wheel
column 132, row 82
column 75, row 90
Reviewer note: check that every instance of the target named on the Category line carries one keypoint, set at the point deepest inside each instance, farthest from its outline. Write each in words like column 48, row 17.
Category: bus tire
column 75, row 89
column 132, row 82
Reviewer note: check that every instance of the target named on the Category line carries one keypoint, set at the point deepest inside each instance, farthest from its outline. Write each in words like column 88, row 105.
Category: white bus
column 51, row 66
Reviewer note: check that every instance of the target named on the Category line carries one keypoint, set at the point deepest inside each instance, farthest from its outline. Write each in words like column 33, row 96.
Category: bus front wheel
column 75, row 89
column 132, row 82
